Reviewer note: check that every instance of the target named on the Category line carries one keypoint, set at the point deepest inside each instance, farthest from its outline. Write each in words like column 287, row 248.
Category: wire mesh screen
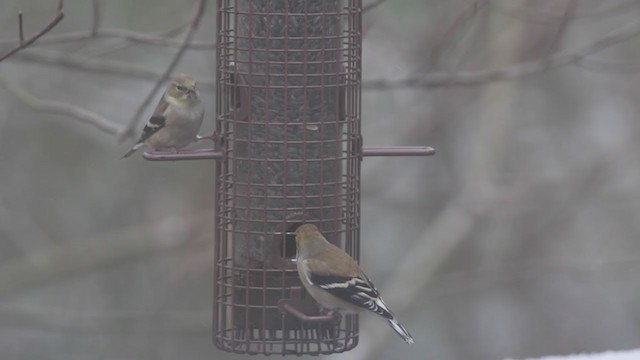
column 288, row 125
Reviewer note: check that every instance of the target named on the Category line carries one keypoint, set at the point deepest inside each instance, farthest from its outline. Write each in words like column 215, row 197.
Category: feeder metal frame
column 288, row 148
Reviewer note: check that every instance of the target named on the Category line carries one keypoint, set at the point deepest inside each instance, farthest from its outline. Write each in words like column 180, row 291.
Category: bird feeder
column 288, row 148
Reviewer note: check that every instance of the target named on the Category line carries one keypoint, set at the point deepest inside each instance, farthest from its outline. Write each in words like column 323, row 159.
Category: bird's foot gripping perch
column 295, row 309
column 324, row 324
column 211, row 137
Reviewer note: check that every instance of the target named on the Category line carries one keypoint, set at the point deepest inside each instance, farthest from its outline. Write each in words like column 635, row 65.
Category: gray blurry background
column 520, row 238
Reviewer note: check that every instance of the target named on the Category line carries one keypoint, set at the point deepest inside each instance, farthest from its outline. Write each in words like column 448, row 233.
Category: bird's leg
column 330, row 312
column 328, row 331
column 210, row 137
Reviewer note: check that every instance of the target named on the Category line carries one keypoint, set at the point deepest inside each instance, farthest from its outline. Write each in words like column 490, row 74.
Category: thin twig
column 78, row 62
column 20, row 28
column 568, row 14
column 423, row 260
column 69, row 321
column 594, row 64
column 167, row 73
column 468, row 12
column 24, row 43
column 64, row 259
column 89, row 64
column 57, row 107
column 96, row 18
column 464, row 78
column 609, row 8
column 474, row 78
column 128, row 35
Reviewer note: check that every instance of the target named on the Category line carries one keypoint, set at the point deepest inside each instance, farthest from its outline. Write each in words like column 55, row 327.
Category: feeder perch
column 288, row 148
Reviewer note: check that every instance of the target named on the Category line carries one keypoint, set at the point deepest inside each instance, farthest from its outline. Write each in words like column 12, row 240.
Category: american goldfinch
column 334, row 279
column 177, row 119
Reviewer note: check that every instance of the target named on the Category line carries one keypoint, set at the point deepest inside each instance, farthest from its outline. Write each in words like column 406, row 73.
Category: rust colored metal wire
column 288, row 148
column 288, row 122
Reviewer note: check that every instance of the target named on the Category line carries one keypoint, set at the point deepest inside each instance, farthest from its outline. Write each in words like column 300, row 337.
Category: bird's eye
column 181, row 88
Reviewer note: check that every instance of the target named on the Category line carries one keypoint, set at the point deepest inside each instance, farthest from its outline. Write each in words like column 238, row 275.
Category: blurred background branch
column 56, row 107
column 519, row 239
column 100, row 66
column 193, row 26
column 22, row 42
column 550, row 58
column 512, row 72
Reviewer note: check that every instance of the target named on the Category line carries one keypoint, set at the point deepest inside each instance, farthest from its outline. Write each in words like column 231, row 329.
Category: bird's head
column 308, row 238
column 184, row 90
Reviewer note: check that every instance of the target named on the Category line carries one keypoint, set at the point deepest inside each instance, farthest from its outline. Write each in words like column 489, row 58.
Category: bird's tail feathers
column 132, row 150
column 404, row 334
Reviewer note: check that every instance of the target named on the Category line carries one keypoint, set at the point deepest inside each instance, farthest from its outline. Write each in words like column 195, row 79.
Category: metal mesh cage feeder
column 288, row 150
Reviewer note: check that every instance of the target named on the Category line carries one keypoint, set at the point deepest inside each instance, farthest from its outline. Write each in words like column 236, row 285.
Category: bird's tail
column 132, row 150
column 404, row 334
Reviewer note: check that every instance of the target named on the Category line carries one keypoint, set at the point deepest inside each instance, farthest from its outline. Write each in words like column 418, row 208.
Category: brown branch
column 65, row 259
column 57, row 107
column 609, row 66
column 128, row 35
column 468, row 12
column 158, row 39
column 20, row 28
column 83, row 63
column 568, row 14
column 22, row 43
column 172, row 65
column 96, row 18
column 438, row 242
column 550, row 17
column 474, row 78
column 70, row 321
column 578, row 56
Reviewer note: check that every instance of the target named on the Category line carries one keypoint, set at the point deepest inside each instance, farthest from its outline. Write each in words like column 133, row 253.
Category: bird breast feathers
column 192, row 112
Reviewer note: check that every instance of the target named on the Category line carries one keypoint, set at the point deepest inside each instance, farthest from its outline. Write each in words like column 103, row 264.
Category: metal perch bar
column 285, row 306
column 217, row 155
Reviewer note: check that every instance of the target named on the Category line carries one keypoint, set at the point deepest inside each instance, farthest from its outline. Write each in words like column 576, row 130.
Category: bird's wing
column 356, row 290
column 156, row 122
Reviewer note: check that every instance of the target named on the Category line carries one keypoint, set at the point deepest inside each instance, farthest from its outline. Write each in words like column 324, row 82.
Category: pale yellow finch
column 177, row 119
column 334, row 279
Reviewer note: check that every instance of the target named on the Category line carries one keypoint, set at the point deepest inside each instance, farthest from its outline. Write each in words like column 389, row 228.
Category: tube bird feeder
column 288, row 148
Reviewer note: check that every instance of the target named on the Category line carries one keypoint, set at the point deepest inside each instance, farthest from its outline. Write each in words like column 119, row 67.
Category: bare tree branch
column 89, row 64
column 607, row 8
column 20, row 29
column 96, row 18
column 22, row 43
column 594, row 64
column 468, row 78
column 468, row 12
column 578, row 56
column 434, row 247
column 57, row 107
column 128, row 35
column 158, row 39
column 570, row 9
column 174, row 62
column 474, row 78
column 106, row 323
column 62, row 260
column 93, row 65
